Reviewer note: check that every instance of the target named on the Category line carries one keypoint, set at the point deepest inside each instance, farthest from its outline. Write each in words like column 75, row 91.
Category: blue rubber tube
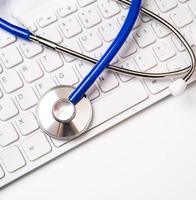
column 15, row 30
column 102, row 64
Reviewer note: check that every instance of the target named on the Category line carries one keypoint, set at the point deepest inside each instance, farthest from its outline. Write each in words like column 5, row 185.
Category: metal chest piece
column 59, row 118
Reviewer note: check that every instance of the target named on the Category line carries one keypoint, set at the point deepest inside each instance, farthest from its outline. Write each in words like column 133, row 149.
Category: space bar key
column 120, row 100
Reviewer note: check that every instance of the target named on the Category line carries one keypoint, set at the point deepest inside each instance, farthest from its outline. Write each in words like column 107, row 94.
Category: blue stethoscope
column 65, row 112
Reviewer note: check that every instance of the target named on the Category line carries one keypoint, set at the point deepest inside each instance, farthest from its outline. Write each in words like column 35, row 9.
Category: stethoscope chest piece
column 59, row 118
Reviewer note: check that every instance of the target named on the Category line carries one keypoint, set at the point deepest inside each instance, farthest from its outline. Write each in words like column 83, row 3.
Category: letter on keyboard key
column 109, row 30
column 12, row 159
column 164, row 50
column 67, row 76
column 118, row 101
column 27, row 123
column 90, row 17
column 51, row 60
column 2, row 174
column 36, row 146
column 144, row 36
column 8, row 134
column 11, row 81
column 145, row 60
column 31, row 71
column 26, row 98
column 66, row 9
column 181, row 17
column 108, row 8
column 46, row 19
column 90, row 41
column 70, row 27
column 30, row 49
column 7, row 109
column 44, row 85
column 107, row 81
column 8, row 59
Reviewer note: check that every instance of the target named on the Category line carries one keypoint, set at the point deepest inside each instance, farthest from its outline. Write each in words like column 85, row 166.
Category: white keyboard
column 28, row 70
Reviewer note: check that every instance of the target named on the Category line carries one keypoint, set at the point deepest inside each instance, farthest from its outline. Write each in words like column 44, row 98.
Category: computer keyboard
column 28, row 70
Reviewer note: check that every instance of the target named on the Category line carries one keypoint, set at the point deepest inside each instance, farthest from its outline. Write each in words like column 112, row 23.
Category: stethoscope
column 65, row 112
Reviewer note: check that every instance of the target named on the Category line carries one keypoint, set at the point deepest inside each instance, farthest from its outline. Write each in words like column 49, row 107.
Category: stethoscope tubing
column 27, row 35
column 187, row 70
column 108, row 56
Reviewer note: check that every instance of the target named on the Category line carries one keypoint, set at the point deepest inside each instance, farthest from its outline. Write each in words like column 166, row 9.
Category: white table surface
column 150, row 156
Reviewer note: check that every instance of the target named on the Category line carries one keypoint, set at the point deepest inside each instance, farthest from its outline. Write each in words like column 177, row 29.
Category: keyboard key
column 36, row 146
column 109, row 30
column 31, row 71
column 93, row 93
column 89, row 17
column 84, row 3
column 83, row 68
column 2, row 174
column 181, row 17
column 8, row 59
column 107, row 81
column 156, row 86
column 67, row 76
column 51, row 33
column 11, row 81
column 121, row 19
column 160, row 30
column 128, row 48
column 46, row 19
column 144, row 36
column 128, row 64
column 26, row 98
column 27, row 123
column 178, row 44
column 66, row 9
column 121, row 99
column 165, row 5
column 44, row 85
column 74, row 46
column 29, row 25
column 176, row 64
column 51, row 60
column 150, row 5
column 164, row 50
column 70, row 27
column 8, row 135
column 30, row 49
column 192, row 6
column 12, row 159
column 90, row 41
column 145, row 60
column 8, row 109
column 6, row 38
column 108, row 8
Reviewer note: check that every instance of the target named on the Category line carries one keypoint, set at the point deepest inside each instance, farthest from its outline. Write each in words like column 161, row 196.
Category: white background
column 151, row 156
